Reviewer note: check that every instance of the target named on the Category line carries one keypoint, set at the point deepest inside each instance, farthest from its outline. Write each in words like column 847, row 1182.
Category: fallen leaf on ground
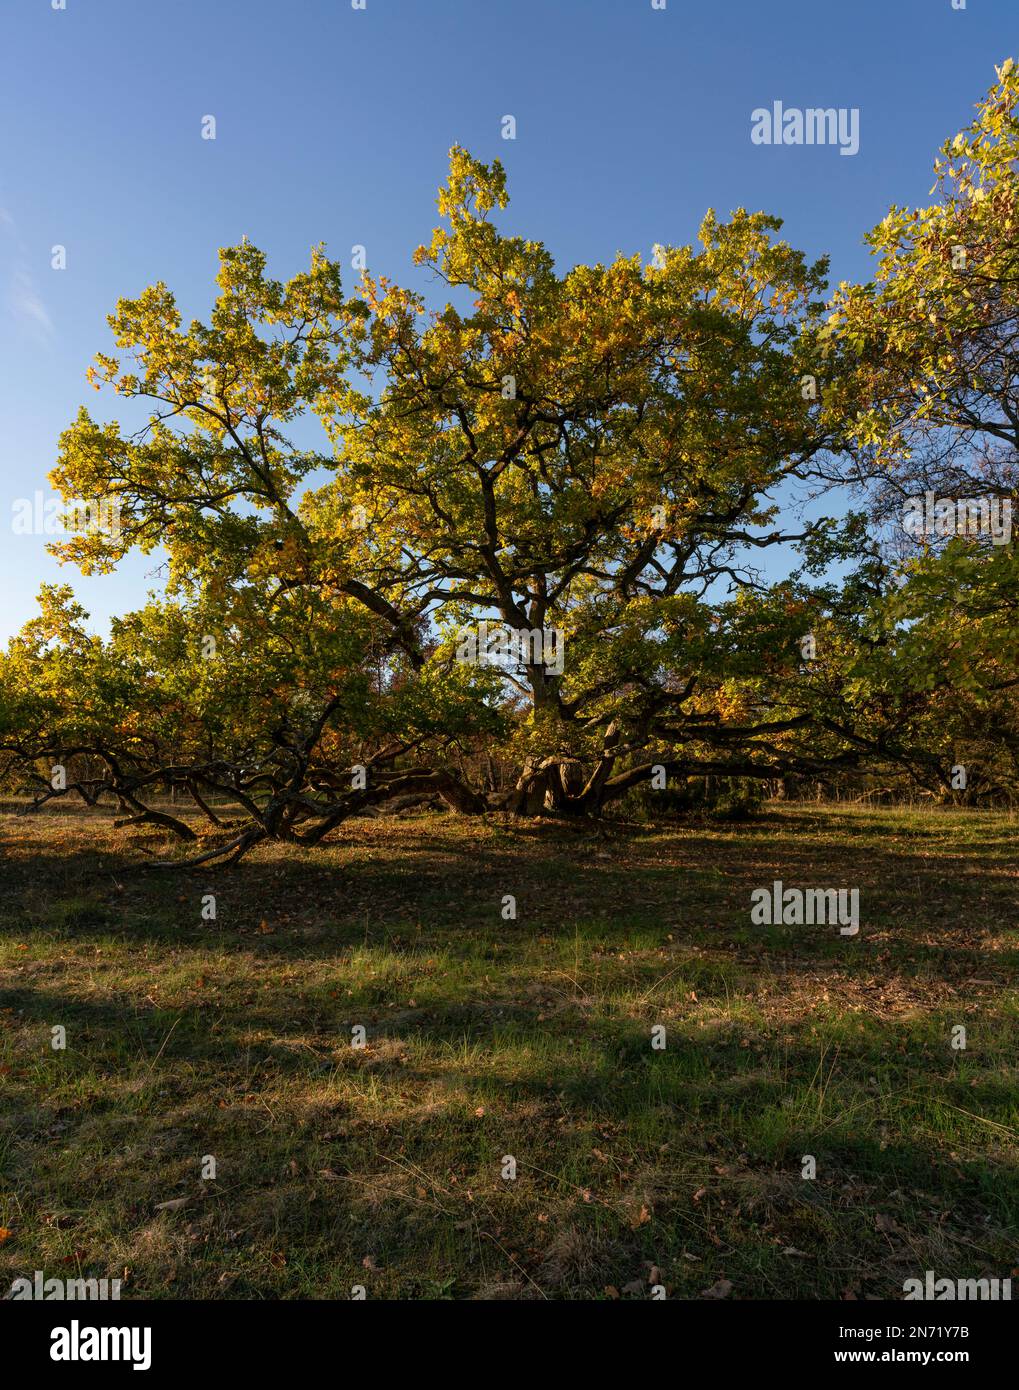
column 720, row 1290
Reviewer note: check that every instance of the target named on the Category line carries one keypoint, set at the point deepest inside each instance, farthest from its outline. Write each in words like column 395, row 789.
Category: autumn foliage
column 610, row 453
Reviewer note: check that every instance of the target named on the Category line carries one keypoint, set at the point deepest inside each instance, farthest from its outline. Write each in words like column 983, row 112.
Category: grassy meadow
column 382, row 1166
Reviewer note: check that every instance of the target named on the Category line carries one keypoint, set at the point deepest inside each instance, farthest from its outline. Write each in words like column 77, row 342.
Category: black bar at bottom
column 173, row 1340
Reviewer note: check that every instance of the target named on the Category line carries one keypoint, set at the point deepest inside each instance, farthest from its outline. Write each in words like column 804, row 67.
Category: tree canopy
column 598, row 468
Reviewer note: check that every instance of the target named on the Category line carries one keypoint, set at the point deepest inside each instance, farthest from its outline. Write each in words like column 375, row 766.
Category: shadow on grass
column 188, row 1037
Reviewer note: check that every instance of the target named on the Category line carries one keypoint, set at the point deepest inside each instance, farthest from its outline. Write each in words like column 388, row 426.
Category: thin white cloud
column 28, row 307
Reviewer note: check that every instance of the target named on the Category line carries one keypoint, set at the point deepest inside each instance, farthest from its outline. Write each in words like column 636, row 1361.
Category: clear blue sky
column 333, row 125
